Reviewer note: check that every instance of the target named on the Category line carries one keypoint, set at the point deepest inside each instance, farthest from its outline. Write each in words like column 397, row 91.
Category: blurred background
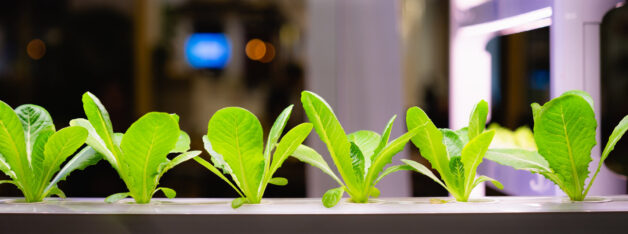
column 370, row 59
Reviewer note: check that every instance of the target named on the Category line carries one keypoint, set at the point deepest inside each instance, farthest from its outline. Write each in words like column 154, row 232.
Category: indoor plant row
column 32, row 151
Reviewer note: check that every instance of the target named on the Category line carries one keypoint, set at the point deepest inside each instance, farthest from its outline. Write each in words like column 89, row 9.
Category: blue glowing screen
column 208, row 50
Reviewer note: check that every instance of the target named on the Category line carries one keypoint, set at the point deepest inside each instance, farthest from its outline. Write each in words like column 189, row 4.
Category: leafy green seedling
column 564, row 132
column 235, row 143
column 32, row 151
column 360, row 157
column 140, row 156
column 456, row 155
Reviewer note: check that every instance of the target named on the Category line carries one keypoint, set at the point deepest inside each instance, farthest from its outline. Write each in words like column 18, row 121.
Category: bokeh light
column 36, row 49
column 255, row 49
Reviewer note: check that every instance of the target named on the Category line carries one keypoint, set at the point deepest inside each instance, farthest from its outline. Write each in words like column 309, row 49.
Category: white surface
column 308, row 206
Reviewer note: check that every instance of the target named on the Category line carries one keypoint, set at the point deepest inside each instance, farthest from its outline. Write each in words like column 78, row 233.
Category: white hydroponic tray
column 307, row 215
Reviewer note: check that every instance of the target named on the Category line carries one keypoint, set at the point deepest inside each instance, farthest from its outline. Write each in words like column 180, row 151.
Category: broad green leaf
column 216, row 158
column 374, row 192
column 332, row 134
column 236, row 134
column 55, row 191
column 170, row 193
column 98, row 116
column 477, row 120
column 453, row 142
column 357, row 161
column 385, row 136
column 176, row 161
column 472, row 156
column 310, row 156
column 519, row 159
column 59, row 147
column 38, row 156
column 279, row 181
column 35, row 119
column 424, row 170
column 332, row 197
column 145, row 146
column 215, row 170
column 238, row 202
column 8, row 182
column 565, row 134
column 584, row 95
column 618, row 132
column 96, row 142
column 386, row 155
column 84, row 158
column 366, row 140
column 288, row 144
column 116, row 197
column 456, row 169
column 12, row 142
column 391, row 170
column 489, row 179
column 275, row 133
column 463, row 134
column 429, row 141
column 183, row 143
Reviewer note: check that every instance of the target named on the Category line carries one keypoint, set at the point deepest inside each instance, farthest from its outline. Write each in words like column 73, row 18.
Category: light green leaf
column 386, row 155
column 170, row 193
column 357, row 160
column 35, row 119
column 392, row 169
column 374, row 192
column 429, row 141
column 366, row 140
column 489, row 179
column 216, row 158
column 536, row 110
column 176, row 161
column 477, row 120
column 98, row 117
column 238, row 202
column 332, row 197
column 84, row 158
column 96, row 142
column 615, row 136
column 565, row 134
column 385, row 136
column 146, row 145
column 584, row 95
column 116, row 197
column 183, row 143
column 38, row 156
column 236, row 134
column 310, row 156
column 453, row 142
column 424, row 170
column 56, row 191
column 6, row 168
column 59, row 147
column 332, row 134
column 8, row 182
column 519, row 159
column 463, row 134
column 456, row 169
column 214, row 170
column 279, row 181
column 472, row 156
column 12, row 142
column 275, row 133
column 288, row 144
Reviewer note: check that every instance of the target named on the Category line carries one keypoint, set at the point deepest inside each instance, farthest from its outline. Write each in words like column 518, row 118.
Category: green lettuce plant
column 456, row 155
column 140, row 156
column 235, row 143
column 360, row 157
column 32, row 151
column 564, row 132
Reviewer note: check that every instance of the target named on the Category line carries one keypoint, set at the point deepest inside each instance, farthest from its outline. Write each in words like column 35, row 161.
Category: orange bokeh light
column 36, row 49
column 255, row 49
column 270, row 53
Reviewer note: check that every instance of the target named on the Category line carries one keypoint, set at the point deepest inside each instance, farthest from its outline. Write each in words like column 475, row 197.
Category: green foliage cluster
column 564, row 132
